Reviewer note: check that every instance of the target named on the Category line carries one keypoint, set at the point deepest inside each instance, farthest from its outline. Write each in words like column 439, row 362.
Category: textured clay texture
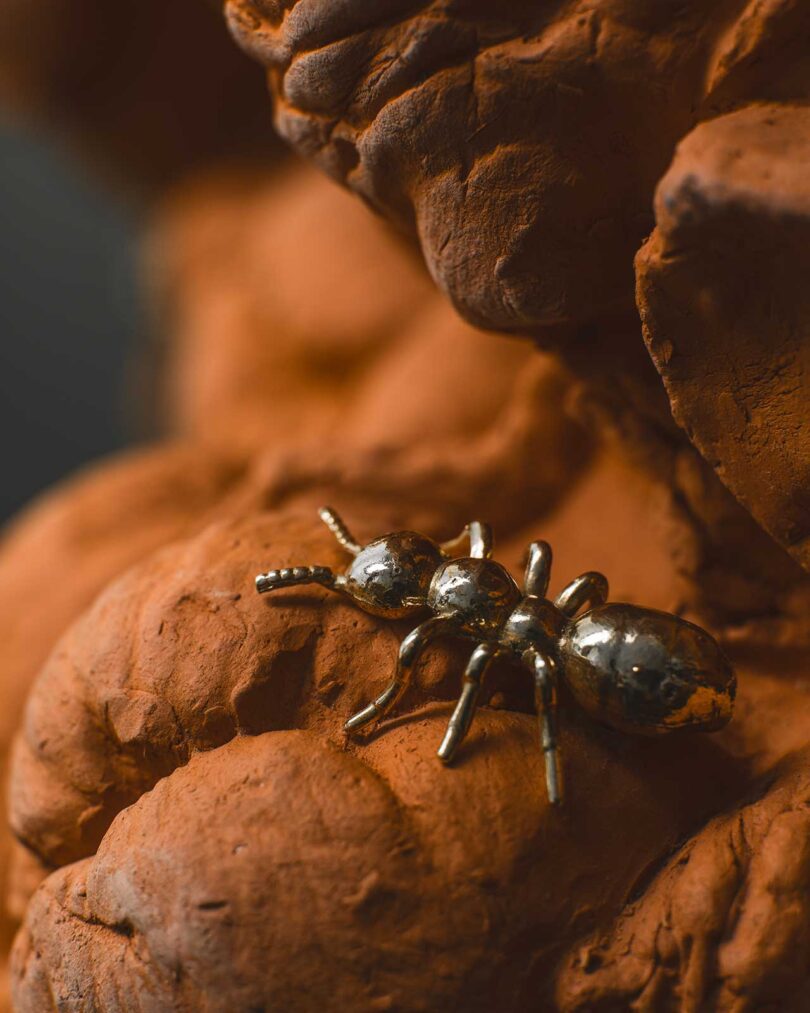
column 726, row 306
column 196, row 772
column 522, row 143
column 57, row 557
column 205, row 834
column 723, row 926
column 520, row 148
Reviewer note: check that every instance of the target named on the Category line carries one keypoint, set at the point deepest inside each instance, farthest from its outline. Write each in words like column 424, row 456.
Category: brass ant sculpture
column 636, row 669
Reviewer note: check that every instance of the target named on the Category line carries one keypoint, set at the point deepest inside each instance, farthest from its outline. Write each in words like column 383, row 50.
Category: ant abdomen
column 646, row 671
column 390, row 576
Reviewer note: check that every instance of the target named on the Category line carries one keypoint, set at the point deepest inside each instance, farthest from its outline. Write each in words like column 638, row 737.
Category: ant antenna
column 337, row 526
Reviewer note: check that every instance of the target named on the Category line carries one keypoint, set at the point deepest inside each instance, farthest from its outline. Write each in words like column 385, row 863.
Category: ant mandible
column 633, row 668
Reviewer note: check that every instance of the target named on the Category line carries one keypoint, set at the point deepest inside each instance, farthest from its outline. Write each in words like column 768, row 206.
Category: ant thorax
column 534, row 623
column 478, row 594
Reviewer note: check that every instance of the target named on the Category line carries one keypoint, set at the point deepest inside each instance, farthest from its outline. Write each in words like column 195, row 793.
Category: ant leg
column 589, row 588
column 538, row 570
column 480, row 540
column 292, row 576
column 462, row 716
column 545, row 698
column 336, row 525
column 409, row 651
column 479, row 536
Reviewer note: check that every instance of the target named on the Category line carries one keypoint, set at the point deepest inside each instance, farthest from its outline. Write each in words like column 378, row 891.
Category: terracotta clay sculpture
column 193, row 826
column 99, row 525
column 179, row 663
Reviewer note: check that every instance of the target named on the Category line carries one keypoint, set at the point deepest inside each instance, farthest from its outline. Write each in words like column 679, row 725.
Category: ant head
column 390, row 575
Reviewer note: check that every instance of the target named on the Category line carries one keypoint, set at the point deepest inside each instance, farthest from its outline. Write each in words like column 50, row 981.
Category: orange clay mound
column 264, row 861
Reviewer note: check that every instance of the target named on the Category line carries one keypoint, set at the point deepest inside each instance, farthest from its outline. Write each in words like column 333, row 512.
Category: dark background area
column 69, row 316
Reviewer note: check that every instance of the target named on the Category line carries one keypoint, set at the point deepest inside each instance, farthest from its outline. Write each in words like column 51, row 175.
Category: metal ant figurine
column 636, row 669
